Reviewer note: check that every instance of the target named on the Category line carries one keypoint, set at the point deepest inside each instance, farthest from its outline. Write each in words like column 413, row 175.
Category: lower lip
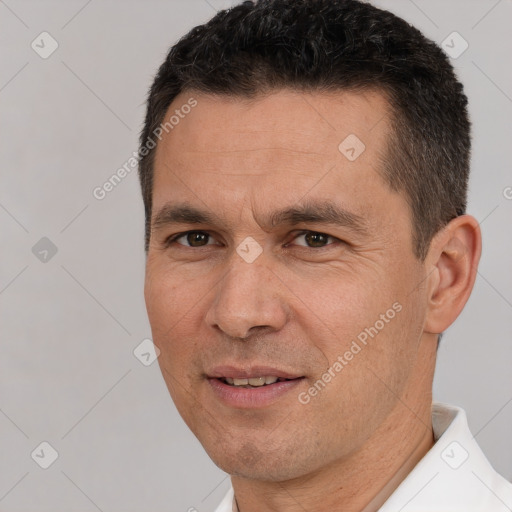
column 247, row 398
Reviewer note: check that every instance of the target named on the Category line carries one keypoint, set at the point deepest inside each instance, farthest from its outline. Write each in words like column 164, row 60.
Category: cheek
column 168, row 294
column 345, row 304
column 171, row 309
column 376, row 363
column 171, row 306
column 374, row 325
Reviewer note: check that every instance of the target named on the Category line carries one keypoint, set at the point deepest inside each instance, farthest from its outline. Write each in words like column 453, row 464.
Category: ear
column 451, row 264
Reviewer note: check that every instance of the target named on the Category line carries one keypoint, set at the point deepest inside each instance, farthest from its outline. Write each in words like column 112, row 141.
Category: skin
column 303, row 301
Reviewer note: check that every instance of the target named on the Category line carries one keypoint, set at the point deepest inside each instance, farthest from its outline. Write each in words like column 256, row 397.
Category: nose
column 249, row 297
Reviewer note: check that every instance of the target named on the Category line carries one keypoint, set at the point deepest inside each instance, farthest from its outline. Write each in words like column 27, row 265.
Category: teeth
column 257, row 381
column 253, row 381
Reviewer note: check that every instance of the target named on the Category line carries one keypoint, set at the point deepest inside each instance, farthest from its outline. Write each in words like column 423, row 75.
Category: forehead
column 280, row 147
column 300, row 121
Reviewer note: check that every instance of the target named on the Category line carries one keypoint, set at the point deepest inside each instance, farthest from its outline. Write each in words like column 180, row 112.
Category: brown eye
column 196, row 238
column 314, row 239
column 192, row 239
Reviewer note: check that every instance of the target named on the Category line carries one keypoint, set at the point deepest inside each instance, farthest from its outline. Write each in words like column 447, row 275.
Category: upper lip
column 234, row 372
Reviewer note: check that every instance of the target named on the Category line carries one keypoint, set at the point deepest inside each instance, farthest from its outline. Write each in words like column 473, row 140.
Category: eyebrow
column 318, row 212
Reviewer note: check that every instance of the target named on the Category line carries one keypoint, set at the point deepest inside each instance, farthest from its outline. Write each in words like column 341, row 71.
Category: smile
column 254, row 392
column 253, row 382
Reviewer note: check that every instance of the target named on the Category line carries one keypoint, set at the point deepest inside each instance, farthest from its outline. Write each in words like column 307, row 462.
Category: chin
column 250, row 462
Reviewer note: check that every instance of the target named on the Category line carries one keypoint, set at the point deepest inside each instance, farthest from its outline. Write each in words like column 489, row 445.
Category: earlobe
column 453, row 261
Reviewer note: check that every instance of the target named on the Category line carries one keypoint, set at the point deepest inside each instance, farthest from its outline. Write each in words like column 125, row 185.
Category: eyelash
column 172, row 239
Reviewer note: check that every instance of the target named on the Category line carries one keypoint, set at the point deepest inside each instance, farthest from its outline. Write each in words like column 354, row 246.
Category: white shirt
column 453, row 476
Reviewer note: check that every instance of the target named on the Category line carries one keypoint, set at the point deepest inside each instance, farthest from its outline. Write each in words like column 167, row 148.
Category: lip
column 247, row 398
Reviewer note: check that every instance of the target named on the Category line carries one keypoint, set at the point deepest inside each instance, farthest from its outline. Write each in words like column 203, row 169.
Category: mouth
column 252, row 388
column 254, row 382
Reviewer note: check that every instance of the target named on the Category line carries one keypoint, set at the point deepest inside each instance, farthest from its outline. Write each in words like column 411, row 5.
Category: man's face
column 242, row 296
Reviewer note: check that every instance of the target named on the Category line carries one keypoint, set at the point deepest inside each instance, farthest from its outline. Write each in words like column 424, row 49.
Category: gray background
column 69, row 325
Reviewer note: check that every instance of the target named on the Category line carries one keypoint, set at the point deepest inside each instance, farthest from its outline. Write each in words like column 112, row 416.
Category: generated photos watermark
column 355, row 348
column 101, row 191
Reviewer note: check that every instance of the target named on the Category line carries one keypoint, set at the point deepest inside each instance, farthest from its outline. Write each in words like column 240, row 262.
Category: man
column 304, row 169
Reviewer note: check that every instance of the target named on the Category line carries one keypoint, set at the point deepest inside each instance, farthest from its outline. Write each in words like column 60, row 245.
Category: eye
column 309, row 239
column 314, row 239
column 191, row 239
